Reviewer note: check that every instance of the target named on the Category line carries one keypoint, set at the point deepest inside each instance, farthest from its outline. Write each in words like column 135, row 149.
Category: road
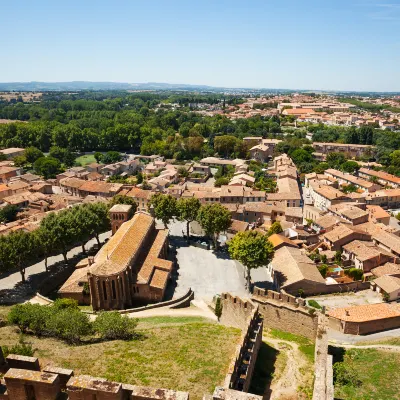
column 336, row 337
column 8, row 281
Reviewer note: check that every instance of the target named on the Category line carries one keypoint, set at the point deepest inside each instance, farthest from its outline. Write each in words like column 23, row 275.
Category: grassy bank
column 190, row 354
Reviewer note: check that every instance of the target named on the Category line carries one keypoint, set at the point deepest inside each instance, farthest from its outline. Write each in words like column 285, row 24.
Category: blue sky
column 303, row 44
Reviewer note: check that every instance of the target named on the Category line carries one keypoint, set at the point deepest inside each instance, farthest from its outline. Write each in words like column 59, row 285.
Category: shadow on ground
column 264, row 370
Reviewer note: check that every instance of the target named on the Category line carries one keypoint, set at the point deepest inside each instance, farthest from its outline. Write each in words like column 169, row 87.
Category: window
column 114, row 292
column 104, row 291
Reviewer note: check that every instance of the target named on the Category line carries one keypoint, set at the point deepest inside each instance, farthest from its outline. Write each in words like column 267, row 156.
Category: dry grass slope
column 189, row 354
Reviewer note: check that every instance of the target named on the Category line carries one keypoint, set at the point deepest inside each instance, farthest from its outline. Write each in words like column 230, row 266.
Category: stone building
column 131, row 269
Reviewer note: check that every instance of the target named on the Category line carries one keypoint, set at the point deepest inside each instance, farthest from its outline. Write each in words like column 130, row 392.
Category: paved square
column 208, row 274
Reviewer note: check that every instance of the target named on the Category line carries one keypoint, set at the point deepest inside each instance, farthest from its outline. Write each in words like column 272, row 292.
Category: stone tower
column 119, row 214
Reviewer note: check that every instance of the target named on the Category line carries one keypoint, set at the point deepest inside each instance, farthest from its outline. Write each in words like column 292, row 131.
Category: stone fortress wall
column 242, row 314
column 286, row 312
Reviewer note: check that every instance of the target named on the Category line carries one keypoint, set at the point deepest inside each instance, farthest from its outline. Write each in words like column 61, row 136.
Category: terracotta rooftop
column 386, row 269
column 388, row 283
column 100, row 187
column 156, row 270
column 377, row 212
column 381, row 175
column 121, row 208
column 116, row 254
column 388, row 240
column 328, row 192
column 294, row 266
column 366, row 312
column 364, row 250
column 140, row 193
column 238, row 226
column 277, row 239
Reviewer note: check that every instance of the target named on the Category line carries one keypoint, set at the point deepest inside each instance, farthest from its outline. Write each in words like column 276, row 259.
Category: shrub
column 345, row 374
column 354, row 273
column 323, row 269
column 112, row 325
column 29, row 316
column 315, row 304
column 21, row 349
column 61, row 304
column 69, row 324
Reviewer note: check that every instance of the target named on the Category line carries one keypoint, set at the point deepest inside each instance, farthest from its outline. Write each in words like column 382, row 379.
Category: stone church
column 130, row 270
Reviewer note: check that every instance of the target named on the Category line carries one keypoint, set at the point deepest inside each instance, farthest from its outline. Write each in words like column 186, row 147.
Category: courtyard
column 209, row 272
column 348, row 299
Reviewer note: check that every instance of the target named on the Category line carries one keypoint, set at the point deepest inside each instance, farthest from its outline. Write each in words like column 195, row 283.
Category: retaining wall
column 286, row 312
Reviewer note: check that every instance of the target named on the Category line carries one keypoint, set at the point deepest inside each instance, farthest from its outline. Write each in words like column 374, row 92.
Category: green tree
column 47, row 167
column 335, row 160
column 214, row 219
column 100, row 219
column 111, row 325
column 183, row 172
column 323, row 269
column 218, row 308
column 221, row 181
column 22, row 249
column 252, row 249
column 98, row 156
column 112, row 157
column 122, row 199
column 8, row 213
column 32, row 154
column 139, row 178
column 354, row 273
column 164, row 207
column 225, row 144
column 188, row 209
column 350, row 167
column 276, row 227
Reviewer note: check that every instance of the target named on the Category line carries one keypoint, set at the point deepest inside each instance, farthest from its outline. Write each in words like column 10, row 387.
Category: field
column 190, row 354
column 86, row 159
column 26, row 96
column 378, row 372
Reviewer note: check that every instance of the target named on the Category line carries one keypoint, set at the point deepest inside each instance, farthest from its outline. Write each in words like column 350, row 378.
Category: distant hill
column 86, row 85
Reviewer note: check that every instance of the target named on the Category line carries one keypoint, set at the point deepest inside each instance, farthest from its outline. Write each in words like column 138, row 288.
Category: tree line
column 91, row 122
column 64, row 320
column 251, row 248
column 58, row 233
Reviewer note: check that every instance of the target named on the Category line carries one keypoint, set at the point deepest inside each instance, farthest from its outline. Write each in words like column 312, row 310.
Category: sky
column 292, row 44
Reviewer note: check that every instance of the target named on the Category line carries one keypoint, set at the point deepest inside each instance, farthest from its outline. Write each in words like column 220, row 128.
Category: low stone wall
column 242, row 314
column 286, row 312
column 343, row 288
column 48, row 384
column 180, row 302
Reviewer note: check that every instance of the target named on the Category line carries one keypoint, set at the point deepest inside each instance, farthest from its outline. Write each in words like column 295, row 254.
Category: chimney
column 347, row 313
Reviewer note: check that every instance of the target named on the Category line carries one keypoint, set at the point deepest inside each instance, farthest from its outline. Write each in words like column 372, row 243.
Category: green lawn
column 86, row 159
column 378, row 372
column 306, row 346
column 190, row 354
